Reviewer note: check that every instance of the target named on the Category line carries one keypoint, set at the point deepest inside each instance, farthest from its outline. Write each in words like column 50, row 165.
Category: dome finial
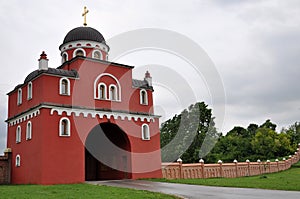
column 85, row 11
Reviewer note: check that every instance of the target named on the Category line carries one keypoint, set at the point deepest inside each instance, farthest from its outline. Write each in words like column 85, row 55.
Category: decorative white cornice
column 78, row 112
column 93, row 113
column 23, row 117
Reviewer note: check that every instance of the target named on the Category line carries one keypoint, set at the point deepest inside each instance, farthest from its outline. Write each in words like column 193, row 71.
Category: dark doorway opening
column 107, row 153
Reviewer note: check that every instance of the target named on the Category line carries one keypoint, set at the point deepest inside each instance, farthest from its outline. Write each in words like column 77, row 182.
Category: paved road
column 199, row 192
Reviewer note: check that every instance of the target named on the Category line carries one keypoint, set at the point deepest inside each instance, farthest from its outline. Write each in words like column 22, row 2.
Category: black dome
column 84, row 33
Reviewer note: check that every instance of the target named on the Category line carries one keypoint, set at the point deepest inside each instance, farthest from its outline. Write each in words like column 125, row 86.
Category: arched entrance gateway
column 107, row 153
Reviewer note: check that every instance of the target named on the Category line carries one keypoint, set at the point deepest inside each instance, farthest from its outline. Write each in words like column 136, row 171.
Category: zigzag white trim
column 101, row 114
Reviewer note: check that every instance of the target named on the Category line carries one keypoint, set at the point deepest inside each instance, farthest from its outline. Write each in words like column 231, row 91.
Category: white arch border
column 105, row 91
column 29, row 130
column 68, row 86
column 18, row 160
column 62, row 57
column 29, row 91
column 141, row 97
column 75, row 51
column 110, row 75
column 148, row 136
column 93, row 54
column 68, row 127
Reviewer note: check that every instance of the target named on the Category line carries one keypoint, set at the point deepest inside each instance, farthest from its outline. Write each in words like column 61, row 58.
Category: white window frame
column 19, row 98
column 18, row 134
column 99, row 91
column 62, row 57
column 61, row 134
column 29, row 91
column 78, row 49
column 145, row 135
column 115, row 92
column 18, row 160
column 61, row 86
column 141, row 97
column 97, row 51
column 29, row 130
column 116, row 80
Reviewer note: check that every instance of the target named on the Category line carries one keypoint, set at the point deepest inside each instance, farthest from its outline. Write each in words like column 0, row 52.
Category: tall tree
column 189, row 135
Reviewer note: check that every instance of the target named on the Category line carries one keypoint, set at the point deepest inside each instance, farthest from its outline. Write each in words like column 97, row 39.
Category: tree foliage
column 269, row 125
column 255, row 142
column 189, row 135
column 192, row 135
column 294, row 132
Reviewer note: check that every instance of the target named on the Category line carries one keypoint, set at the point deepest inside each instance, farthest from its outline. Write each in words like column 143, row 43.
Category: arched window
column 29, row 131
column 18, row 160
column 19, row 100
column 64, row 88
column 102, row 91
column 113, row 92
column 64, row 57
column 97, row 54
column 79, row 52
column 145, row 132
column 18, row 134
column 29, row 91
column 64, row 127
column 143, row 97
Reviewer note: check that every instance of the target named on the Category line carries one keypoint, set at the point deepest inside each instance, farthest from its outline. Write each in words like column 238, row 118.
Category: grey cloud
column 254, row 43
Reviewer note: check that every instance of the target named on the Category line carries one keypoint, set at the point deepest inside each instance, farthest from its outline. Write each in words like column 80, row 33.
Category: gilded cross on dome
column 85, row 11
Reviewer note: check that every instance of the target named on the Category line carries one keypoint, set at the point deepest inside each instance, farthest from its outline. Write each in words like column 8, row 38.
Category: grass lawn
column 285, row 180
column 83, row 191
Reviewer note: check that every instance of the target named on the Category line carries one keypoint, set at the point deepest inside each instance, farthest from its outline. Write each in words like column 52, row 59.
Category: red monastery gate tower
column 85, row 120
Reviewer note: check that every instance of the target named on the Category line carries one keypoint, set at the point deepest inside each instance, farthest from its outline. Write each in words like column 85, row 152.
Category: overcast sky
column 254, row 44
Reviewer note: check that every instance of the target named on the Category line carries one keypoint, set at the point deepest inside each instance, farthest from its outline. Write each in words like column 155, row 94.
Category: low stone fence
column 5, row 167
column 178, row 170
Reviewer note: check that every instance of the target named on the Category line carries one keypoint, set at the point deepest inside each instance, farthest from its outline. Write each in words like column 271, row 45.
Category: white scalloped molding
column 101, row 114
column 24, row 117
